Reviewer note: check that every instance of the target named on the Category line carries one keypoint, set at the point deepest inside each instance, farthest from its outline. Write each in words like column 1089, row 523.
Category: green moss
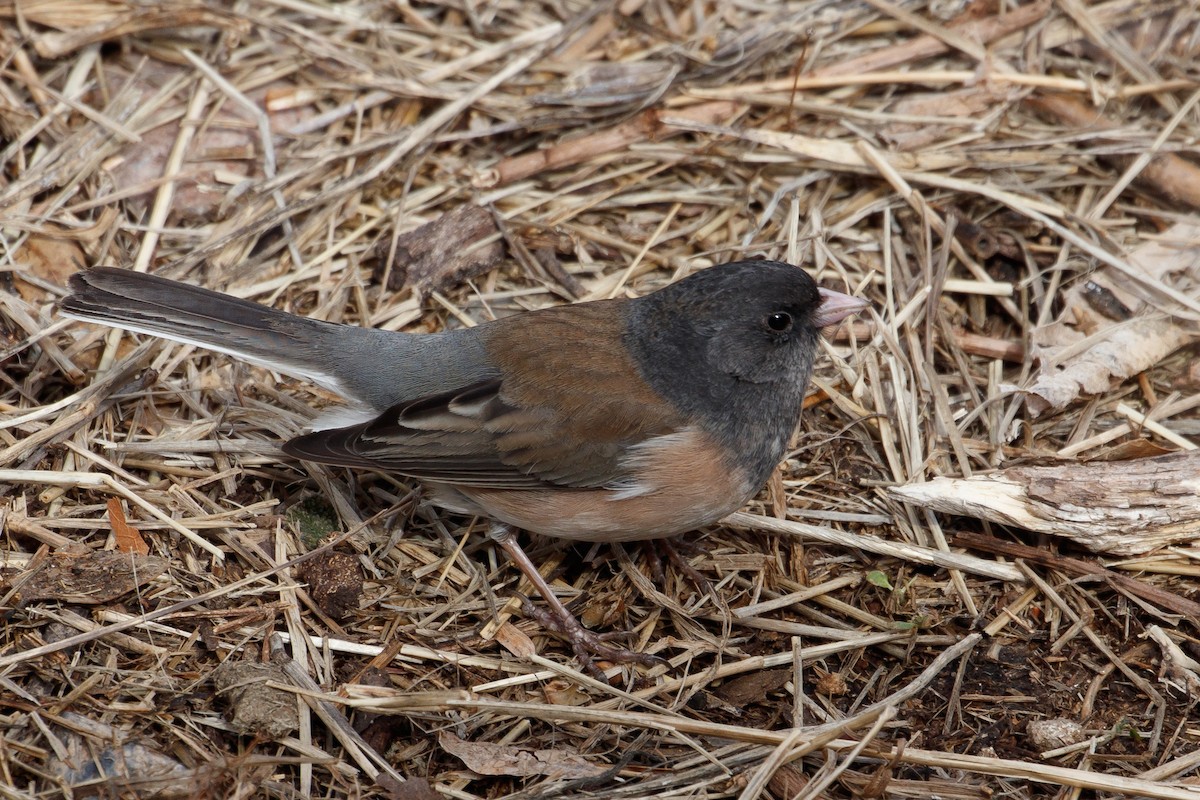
column 314, row 519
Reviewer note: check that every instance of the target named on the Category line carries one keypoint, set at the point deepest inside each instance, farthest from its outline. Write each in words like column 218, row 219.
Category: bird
column 604, row 421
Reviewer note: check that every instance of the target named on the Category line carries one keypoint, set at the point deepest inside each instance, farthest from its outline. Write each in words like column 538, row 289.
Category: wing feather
column 568, row 409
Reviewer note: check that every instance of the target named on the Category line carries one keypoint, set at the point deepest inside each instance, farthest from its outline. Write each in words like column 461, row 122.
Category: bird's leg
column 586, row 644
column 669, row 549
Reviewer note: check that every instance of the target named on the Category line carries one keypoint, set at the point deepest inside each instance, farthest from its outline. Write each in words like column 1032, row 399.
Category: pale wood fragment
column 1120, row 507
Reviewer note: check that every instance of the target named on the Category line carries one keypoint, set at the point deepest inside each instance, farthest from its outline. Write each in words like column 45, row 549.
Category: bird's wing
column 569, row 408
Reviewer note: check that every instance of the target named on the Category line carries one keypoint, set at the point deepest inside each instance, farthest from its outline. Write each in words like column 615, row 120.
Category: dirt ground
column 972, row 577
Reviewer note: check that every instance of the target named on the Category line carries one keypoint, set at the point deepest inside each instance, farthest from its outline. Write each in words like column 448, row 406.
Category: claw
column 589, row 646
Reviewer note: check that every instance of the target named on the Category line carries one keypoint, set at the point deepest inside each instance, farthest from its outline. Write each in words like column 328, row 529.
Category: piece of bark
column 1120, row 507
column 91, row 754
column 93, row 578
column 1111, row 328
column 1051, row 734
column 754, row 687
column 488, row 758
column 254, row 707
column 444, row 253
column 1124, row 352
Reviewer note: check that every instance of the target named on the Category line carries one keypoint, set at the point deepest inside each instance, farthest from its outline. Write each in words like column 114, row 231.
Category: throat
column 754, row 429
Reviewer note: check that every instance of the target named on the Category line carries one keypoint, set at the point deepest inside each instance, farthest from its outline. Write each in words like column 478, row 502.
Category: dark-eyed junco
column 609, row 421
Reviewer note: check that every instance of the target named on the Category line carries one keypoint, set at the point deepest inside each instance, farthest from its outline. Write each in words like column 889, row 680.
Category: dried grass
column 962, row 167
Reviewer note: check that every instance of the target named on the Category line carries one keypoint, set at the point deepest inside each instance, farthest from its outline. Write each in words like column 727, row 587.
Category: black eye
column 780, row 321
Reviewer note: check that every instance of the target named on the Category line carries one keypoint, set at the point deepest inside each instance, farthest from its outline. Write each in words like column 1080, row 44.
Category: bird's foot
column 587, row 645
column 669, row 549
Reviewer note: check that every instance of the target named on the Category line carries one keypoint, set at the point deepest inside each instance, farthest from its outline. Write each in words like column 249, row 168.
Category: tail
column 369, row 367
